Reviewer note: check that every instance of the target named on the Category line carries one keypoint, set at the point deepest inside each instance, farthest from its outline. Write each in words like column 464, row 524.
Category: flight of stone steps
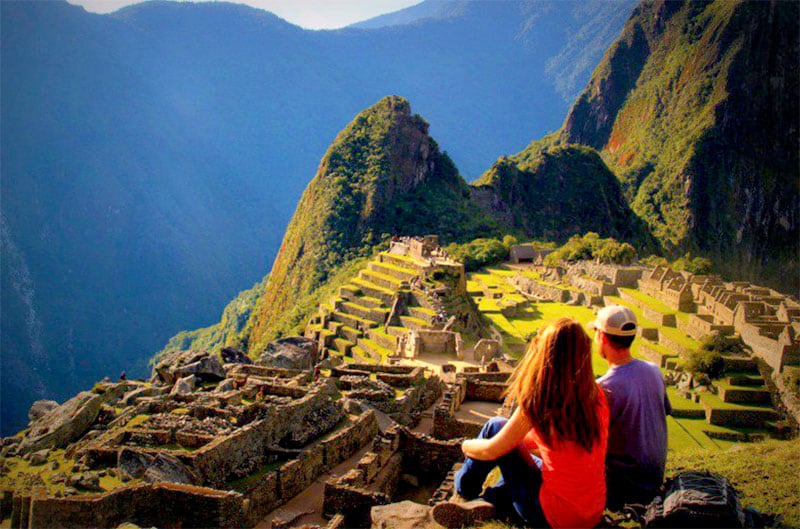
column 354, row 324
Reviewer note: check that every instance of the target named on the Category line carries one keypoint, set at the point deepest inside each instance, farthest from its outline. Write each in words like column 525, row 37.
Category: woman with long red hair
column 551, row 452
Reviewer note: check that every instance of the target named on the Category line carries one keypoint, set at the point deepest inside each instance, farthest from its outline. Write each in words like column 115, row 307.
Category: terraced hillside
column 734, row 408
column 391, row 296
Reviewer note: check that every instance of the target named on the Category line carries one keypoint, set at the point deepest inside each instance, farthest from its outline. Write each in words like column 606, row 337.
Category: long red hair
column 554, row 385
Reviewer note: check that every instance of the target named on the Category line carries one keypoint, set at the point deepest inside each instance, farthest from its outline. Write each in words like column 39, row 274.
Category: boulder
column 402, row 515
column 207, row 369
column 86, row 481
column 225, row 386
column 184, row 385
column 179, row 364
column 145, row 391
column 40, row 408
column 63, row 424
column 165, row 467
column 154, row 468
column 352, row 407
column 39, row 457
column 321, row 418
column 231, row 355
column 293, row 352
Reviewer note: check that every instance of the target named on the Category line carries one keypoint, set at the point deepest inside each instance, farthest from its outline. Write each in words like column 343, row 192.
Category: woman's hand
column 508, row 438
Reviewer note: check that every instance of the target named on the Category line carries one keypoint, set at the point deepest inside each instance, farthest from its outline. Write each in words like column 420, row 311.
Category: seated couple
column 574, row 445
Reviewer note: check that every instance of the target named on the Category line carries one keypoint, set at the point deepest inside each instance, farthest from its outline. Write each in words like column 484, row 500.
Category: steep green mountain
column 553, row 192
column 695, row 108
column 382, row 176
column 152, row 157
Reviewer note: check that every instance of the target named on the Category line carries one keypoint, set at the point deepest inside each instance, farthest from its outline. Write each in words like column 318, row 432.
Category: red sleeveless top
column 573, row 492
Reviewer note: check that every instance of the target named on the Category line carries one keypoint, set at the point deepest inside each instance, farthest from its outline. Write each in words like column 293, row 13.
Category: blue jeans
column 516, row 494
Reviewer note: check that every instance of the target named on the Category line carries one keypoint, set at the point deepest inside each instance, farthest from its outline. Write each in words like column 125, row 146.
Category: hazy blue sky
column 311, row 14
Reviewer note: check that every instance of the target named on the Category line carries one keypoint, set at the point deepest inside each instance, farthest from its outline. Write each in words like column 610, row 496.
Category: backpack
column 696, row 499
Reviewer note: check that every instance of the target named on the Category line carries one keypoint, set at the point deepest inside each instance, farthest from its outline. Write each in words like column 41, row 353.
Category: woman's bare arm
column 508, row 438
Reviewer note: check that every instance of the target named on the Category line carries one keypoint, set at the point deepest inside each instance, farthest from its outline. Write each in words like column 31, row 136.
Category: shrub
column 478, row 253
column 791, row 377
column 708, row 358
column 591, row 246
column 707, row 362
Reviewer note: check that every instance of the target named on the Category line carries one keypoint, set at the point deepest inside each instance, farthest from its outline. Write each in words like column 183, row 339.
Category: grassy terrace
column 42, row 475
column 684, row 433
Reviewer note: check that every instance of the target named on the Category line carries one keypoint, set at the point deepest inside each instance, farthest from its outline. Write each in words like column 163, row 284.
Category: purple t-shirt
column 637, row 437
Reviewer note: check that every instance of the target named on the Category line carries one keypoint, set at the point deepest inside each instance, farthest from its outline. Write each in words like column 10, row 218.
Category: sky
column 309, row 14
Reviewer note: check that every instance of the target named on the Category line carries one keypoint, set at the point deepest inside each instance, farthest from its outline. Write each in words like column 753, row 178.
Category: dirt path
column 306, row 507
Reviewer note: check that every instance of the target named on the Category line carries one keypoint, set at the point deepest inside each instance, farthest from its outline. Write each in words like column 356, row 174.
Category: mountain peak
column 383, row 175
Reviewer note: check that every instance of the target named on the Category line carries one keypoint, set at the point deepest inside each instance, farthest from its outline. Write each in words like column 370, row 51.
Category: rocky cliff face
column 695, row 108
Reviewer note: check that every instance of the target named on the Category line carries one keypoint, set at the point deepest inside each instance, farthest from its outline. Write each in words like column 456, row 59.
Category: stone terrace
column 389, row 309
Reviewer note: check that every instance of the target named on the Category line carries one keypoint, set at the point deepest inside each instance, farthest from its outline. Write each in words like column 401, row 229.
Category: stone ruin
column 403, row 462
column 236, row 442
column 766, row 320
column 526, row 253
column 470, row 399
column 393, row 308
column 581, row 283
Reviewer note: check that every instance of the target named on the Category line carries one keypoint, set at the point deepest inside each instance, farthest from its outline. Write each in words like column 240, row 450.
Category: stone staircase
column 355, row 319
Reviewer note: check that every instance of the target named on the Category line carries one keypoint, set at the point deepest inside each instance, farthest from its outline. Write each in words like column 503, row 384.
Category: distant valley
column 151, row 158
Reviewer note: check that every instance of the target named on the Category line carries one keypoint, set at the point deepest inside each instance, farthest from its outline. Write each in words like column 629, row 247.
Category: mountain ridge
column 695, row 111
column 148, row 174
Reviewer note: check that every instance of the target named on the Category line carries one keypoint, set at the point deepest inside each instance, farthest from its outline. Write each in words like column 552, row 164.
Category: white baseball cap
column 616, row 320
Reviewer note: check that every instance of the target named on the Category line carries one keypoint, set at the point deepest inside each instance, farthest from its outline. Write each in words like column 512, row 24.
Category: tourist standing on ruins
column 551, row 452
column 637, row 398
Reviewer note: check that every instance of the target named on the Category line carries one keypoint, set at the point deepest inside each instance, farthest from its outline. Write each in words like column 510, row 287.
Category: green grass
column 22, row 471
column 650, row 301
column 680, row 403
column 715, row 402
column 765, row 474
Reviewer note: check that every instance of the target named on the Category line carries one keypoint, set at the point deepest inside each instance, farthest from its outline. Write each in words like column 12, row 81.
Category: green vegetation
column 678, row 109
column 791, row 377
column 708, row 358
column 705, row 361
column 694, row 265
column 480, row 252
column 764, row 473
column 553, row 191
column 383, row 175
column 591, row 246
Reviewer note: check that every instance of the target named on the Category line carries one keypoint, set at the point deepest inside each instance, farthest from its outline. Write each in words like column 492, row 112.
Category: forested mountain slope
column 695, row 108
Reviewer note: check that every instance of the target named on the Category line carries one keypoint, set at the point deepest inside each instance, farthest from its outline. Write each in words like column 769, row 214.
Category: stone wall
column 427, row 458
column 596, row 287
column 665, row 320
column 533, row 288
column 276, row 488
column 700, row 326
column 161, row 504
column 374, row 481
column 436, row 342
column 241, row 452
column 672, row 345
column 468, row 386
column 653, row 355
column 485, row 391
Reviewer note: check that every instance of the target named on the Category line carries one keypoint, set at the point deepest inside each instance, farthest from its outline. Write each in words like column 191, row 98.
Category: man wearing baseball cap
column 637, row 398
